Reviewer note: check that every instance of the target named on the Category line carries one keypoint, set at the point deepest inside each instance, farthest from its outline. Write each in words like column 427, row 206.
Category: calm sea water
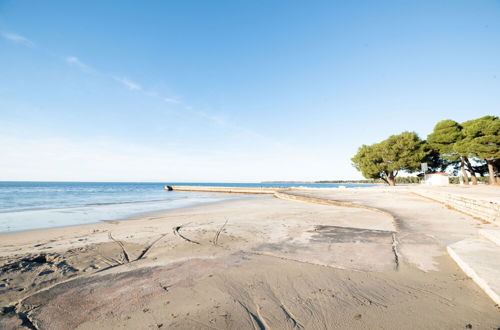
column 35, row 205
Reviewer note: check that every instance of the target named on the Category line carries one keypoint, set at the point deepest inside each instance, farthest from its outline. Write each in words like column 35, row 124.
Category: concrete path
column 491, row 234
column 479, row 202
column 480, row 260
column 427, row 230
column 480, row 192
column 424, row 228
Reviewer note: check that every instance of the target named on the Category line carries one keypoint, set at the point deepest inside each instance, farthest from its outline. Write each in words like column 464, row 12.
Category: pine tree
column 445, row 137
column 384, row 160
column 482, row 140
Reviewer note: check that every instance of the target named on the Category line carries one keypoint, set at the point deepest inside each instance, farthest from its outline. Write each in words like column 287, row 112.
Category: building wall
column 436, row 180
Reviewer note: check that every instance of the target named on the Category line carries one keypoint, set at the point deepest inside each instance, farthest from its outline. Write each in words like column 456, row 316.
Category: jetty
column 232, row 190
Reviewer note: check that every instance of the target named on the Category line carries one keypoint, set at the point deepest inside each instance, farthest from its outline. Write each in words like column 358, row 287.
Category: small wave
column 132, row 202
column 65, row 207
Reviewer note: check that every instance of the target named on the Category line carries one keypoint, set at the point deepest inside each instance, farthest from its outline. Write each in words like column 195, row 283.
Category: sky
column 232, row 91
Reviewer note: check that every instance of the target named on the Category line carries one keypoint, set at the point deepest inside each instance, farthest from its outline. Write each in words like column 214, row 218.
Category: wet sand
column 258, row 263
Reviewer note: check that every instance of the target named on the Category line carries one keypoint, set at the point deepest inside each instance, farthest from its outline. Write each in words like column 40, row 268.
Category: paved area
column 480, row 192
column 424, row 228
column 427, row 230
column 479, row 259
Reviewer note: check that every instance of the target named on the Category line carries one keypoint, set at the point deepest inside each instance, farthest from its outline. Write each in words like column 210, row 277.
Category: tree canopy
column 449, row 144
column 444, row 137
column 383, row 160
column 482, row 140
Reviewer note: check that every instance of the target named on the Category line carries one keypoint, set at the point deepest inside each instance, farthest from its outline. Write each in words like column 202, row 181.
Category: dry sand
column 256, row 263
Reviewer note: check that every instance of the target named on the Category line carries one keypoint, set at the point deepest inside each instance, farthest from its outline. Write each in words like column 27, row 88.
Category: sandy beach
column 249, row 165
column 256, row 263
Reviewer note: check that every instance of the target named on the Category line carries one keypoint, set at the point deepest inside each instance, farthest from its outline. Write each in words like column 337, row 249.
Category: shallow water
column 35, row 205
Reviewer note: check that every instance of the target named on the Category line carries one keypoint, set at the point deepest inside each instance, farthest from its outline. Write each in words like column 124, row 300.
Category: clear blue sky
column 232, row 90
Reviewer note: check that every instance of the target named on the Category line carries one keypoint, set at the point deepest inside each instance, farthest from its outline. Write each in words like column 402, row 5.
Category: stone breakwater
column 281, row 193
column 232, row 190
column 483, row 209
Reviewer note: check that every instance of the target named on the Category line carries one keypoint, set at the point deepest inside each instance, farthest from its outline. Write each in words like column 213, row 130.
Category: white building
column 437, row 179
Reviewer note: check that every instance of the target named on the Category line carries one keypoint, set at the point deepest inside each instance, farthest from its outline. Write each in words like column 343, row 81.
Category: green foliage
column 402, row 179
column 444, row 138
column 481, row 138
column 402, row 152
column 435, row 161
column 368, row 160
column 474, row 144
column 408, row 179
column 456, row 180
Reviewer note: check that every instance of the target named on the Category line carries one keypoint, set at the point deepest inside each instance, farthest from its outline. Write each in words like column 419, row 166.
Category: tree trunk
column 390, row 179
column 495, row 172
column 462, row 169
column 491, row 172
column 471, row 170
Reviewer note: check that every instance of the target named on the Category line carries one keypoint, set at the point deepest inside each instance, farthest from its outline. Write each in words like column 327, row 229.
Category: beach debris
column 395, row 250
column 257, row 321
column 148, row 248
column 177, row 232
column 111, row 262
column 217, row 234
column 290, row 318
column 124, row 251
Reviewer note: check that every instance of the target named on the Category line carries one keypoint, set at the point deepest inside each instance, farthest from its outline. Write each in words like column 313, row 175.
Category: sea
column 36, row 205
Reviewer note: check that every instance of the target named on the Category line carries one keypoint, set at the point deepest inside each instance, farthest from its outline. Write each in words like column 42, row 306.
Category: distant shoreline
column 320, row 182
